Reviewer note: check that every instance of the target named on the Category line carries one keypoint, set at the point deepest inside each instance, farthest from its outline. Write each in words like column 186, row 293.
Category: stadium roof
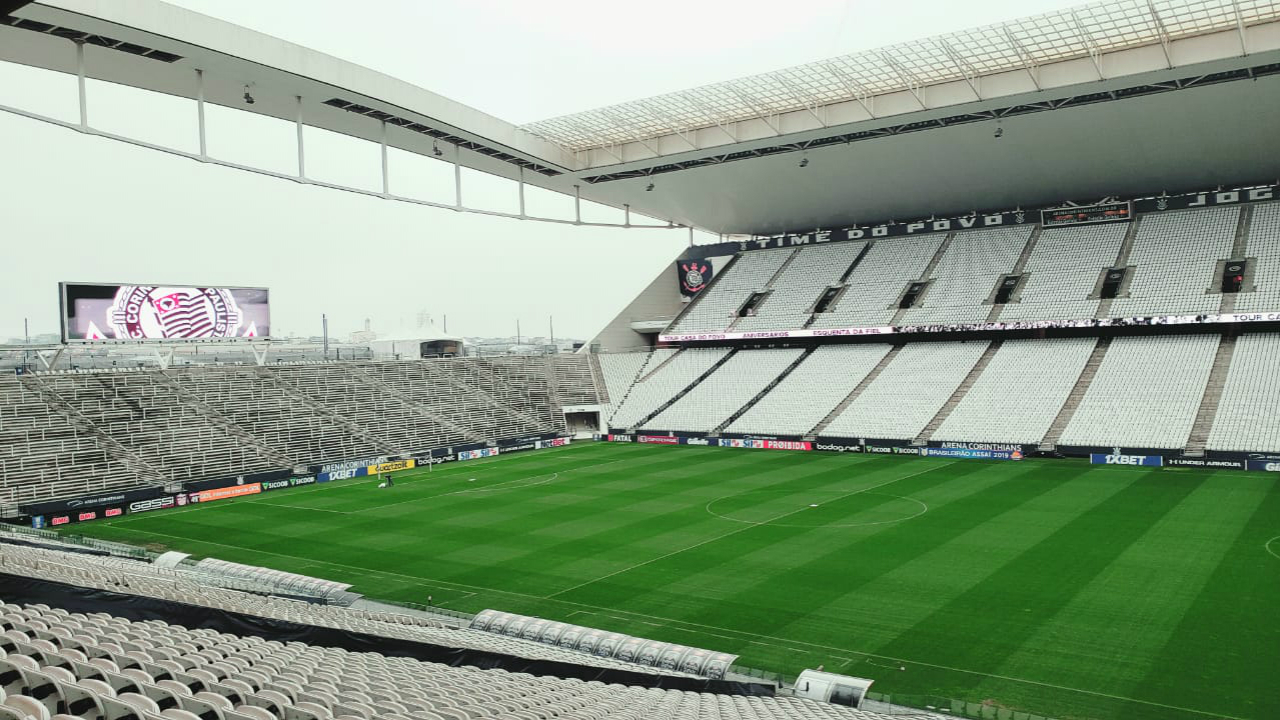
column 1087, row 31
column 1116, row 98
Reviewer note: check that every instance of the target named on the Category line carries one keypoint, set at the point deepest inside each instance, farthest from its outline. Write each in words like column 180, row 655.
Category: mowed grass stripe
column 620, row 520
column 882, row 574
column 784, row 573
column 1138, row 599
column 626, row 582
column 1226, row 647
column 901, row 591
column 995, row 616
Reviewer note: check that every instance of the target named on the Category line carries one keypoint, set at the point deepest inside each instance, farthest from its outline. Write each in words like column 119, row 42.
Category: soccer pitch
column 1054, row 587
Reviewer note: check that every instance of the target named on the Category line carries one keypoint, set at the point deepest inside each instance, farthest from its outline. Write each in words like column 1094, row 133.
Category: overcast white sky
column 87, row 209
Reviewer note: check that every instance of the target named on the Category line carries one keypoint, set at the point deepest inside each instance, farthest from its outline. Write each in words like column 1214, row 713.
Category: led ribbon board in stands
column 94, row 312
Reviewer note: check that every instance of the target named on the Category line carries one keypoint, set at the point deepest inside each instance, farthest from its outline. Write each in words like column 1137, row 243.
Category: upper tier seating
column 724, row 391
column 967, row 274
column 1146, row 393
column 1174, row 258
column 1019, row 393
column 812, row 390
column 800, row 285
column 879, row 280
column 1263, row 245
column 910, row 390
column 1063, row 270
column 716, row 310
column 1175, row 255
column 1248, row 417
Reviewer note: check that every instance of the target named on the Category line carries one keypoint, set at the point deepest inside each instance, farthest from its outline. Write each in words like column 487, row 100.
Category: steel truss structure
column 1023, row 46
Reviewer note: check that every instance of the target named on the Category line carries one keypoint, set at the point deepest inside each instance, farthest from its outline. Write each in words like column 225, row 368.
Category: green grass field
column 1054, row 587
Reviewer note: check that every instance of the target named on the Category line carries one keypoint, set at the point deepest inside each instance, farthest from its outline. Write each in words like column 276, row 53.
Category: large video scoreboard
column 94, row 312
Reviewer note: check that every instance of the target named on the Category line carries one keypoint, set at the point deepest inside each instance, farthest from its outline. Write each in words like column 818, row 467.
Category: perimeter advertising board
column 94, row 312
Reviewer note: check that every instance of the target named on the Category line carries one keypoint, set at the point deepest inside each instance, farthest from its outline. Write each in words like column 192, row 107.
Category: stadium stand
column 43, row 455
column 663, row 378
column 1174, row 256
column 966, row 276
column 57, row 664
column 1063, row 271
column 1146, row 393
column 902, row 400
column 811, row 391
column 1019, row 393
column 749, row 274
column 799, row 286
column 879, row 280
column 726, row 390
column 1246, row 415
column 1263, row 247
column 620, row 370
column 74, row 433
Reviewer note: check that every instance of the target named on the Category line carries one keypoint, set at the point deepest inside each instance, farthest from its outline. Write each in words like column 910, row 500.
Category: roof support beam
column 909, row 81
column 200, row 125
column 761, row 114
column 715, row 117
column 853, row 87
column 810, row 105
column 1160, row 30
column 1095, row 53
column 1240, row 29
column 970, row 75
column 1028, row 60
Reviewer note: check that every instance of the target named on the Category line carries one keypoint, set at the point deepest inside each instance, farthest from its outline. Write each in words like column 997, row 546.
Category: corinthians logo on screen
column 162, row 313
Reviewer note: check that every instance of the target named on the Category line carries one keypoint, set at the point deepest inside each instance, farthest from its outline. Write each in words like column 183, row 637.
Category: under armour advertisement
column 97, row 313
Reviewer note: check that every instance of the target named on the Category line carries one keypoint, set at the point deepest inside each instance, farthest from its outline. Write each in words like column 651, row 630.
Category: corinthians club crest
column 164, row 313
column 694, row 275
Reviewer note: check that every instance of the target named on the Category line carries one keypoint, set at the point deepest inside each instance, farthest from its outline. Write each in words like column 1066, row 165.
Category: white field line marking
column 702, row 629
column 742, row 529
column 924, row 509
column 493, row 487
column 256, row 501
column 465, row 594
column 1267, row 546
column 297, row 507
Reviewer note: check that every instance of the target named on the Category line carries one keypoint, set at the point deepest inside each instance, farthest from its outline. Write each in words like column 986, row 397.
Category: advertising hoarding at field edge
column 97, row 312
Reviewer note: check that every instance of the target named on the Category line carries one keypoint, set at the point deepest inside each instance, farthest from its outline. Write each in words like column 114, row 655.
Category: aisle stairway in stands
column 767, row 389
column 1212, row 397
column 958, row 395
column 1019, row 267
column 1239, row 251
column 672, row 400
column 853, row 394
column 768, row 287
column 1068, row 410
